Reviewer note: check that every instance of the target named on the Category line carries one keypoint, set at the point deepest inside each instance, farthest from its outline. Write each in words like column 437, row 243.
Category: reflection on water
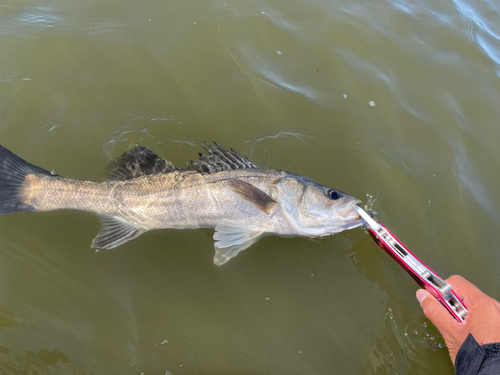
column 41, row 362
column 6, row 318
column 289, row 84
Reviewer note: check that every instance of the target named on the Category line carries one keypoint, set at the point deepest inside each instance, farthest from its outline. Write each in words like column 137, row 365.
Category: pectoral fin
column 114, row 232
column 253, row 195
column 231, row 239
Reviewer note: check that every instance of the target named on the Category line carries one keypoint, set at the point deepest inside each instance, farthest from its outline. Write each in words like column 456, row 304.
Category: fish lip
column 348, row 213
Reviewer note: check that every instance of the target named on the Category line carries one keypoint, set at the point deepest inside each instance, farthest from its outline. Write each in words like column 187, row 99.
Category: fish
column 221, row 190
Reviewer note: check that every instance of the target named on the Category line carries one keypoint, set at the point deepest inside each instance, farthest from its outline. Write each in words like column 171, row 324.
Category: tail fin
column 13, row 171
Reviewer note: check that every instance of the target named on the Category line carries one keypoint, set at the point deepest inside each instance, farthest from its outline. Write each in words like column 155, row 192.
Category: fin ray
column 232, row 239
column 254, row 195
column 114, row 232
column 138, row 162
column 13, row 171
column 219, row 159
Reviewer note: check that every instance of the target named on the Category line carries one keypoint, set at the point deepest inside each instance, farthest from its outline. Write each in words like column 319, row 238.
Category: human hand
column 482, row 320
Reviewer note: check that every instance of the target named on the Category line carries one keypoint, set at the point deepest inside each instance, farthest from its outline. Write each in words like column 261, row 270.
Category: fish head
column 315, row 210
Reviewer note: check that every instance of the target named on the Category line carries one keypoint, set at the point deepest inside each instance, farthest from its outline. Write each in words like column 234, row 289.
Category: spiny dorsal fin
column 114, row 232
column 138, row 162
column 219, row 159
column 253, row 195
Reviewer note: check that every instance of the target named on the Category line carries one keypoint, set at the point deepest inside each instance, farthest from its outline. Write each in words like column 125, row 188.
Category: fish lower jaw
column 352, row 218
column 328, row 230
column 347, row 213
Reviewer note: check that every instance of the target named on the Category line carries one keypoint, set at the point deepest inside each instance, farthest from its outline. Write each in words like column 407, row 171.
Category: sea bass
column 221, row 190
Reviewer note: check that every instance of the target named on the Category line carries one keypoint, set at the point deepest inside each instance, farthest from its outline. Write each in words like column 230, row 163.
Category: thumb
column 434, row 311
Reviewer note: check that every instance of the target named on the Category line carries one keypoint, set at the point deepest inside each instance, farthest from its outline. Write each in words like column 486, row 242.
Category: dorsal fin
column 138, row 162
column 219, row 159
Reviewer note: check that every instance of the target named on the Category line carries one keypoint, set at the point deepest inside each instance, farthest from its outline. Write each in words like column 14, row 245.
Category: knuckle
column 456, row 279
column 495, row 303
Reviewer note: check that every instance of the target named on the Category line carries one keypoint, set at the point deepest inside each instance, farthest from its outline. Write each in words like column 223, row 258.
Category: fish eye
column 333, row 194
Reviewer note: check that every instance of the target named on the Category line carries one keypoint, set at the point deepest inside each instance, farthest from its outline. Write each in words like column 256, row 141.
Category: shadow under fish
column 221, row 190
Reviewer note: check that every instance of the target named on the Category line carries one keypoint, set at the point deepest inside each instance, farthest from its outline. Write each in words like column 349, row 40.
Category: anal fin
column 232, row 239
column 114, row 232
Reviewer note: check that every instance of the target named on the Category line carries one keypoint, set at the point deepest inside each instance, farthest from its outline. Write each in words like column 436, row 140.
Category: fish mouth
column 347, row 211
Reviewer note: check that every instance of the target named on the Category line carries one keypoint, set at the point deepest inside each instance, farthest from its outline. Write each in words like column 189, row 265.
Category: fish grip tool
column 422, row 274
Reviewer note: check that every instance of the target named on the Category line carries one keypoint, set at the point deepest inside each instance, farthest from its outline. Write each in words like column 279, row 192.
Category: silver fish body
column 222, row 190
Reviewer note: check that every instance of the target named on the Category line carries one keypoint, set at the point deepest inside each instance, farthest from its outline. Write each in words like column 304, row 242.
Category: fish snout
column 346, row 211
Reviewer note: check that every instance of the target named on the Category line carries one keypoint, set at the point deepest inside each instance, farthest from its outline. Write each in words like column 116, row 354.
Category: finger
column 434, row 311
column 463, row 288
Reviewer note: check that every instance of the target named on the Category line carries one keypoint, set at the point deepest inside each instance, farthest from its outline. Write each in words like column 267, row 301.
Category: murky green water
column 288, row 83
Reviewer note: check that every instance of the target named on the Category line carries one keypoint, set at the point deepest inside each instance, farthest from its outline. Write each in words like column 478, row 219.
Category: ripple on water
column 397, row 348
column 417, row 333
column 245, row 37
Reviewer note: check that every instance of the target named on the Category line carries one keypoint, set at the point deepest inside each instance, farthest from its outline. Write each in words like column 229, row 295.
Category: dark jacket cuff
column 474, row 359
column 470, row 357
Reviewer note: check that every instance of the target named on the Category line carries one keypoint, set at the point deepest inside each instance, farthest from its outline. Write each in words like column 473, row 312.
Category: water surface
column 395, row 102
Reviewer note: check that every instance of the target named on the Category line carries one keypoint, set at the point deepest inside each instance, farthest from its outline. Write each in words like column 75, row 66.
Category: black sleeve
column 475, row 359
